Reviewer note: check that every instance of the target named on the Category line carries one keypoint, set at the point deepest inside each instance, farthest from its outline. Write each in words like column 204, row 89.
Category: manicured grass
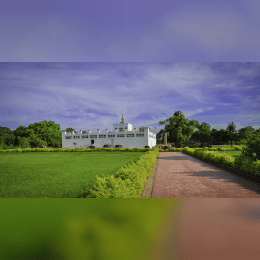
column 57, row 174
column 234, row 153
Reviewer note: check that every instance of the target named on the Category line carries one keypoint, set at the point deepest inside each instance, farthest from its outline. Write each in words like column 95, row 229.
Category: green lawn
column 57, row 174
column 234, row 153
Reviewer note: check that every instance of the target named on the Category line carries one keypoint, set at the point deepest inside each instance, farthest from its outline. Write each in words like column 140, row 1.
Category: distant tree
column 21, row 131
column 203, row 134
column 6, row 136
column 159, row 137
column 196, row 136
column 39, row 134
column 252, row 146
column 223, row 136
column 245, row 133
column 70, row 129
column 48, row 132
column 141, row 129
column 232, row 130
column 23, row 142
column 180, row 129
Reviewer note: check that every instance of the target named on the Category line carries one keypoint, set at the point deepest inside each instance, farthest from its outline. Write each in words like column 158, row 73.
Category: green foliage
column 71, row 129
column 6, row 137
column 252, row 146
column 203, row 134
column 245, row 133
column 23, row 142
column 179, row 128
column 128, row 182
column 35, row 135
column 232, row 130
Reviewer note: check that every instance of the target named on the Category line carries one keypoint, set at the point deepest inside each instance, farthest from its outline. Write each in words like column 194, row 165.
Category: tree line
column 179, row 131
column 35, row 135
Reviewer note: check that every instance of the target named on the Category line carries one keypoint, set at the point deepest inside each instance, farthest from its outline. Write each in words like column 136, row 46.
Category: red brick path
column 179, row 175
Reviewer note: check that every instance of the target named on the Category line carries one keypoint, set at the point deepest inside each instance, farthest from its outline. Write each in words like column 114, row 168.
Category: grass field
column 56, row 175
column 233, row 153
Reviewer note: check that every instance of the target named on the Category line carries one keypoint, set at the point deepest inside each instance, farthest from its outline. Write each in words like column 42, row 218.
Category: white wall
column 140, row 139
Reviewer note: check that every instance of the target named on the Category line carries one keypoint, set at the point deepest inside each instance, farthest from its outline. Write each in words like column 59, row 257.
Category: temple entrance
column 92, row 142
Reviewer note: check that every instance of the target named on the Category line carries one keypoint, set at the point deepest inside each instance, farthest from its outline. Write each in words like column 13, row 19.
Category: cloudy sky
column 91, row 96
column 130, row 31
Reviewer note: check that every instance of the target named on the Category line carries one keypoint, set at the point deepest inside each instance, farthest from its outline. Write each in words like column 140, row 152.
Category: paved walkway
column 179, row 175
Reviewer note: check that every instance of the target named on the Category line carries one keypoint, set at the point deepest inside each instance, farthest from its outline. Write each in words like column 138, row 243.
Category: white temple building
column 122, row 134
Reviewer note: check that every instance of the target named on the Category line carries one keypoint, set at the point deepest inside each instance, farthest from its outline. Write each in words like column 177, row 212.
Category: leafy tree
column 196, row 136
column 39, row 134
column 232, row 130
column 48, row 132
column 20, row 131
column 70, row 130
column 160, row 137
column 179, row 128
column 223, row 137
column 141, row 129
column 203, row 134
column 23, row 142
column 219, row 137
column 6, row 136
column 252, row 146
column 245, row 133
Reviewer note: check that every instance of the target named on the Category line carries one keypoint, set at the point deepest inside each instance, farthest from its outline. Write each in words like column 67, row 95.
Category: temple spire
column 123, row 120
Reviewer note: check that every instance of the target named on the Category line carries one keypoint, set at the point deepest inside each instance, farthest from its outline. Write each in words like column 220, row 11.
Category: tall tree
column 141, row 129
column 232, row 130
column 51, row 133
column 203, row 134
column 196, row 136
column 245, row 133
column 252, row 146
column 160, row 137
column 180, row 129
column 23, row 142
column 218, row 137
column 38, row 134
column 48, row 132
column 6, row 136
column 222, row 136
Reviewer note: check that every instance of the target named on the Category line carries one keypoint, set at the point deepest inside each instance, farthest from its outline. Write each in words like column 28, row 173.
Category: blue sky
column 91, row 96
column 130, row 31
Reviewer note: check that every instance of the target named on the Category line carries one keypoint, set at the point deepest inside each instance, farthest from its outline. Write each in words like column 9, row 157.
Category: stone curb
column 228, row 168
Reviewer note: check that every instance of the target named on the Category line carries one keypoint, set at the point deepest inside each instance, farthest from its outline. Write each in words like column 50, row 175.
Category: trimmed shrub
column 252, row 146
